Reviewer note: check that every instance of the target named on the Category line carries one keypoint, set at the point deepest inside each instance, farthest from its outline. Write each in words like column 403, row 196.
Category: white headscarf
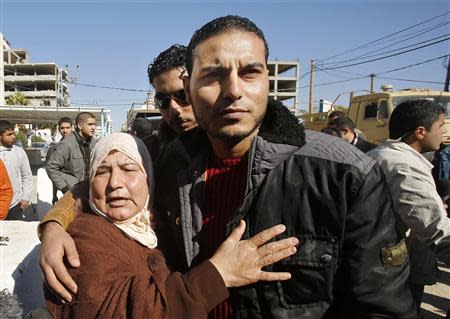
column 138, row 226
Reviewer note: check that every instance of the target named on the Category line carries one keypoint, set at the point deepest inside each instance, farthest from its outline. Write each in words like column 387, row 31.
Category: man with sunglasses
column 165, row 75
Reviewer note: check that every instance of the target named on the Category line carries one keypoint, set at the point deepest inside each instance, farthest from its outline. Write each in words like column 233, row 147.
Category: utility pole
column 311, row 89
column 372, row 81
column 447, row 78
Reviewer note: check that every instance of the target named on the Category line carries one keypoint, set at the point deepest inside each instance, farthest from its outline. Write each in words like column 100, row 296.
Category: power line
column 410, row 80
column 390, row 51
column 388, row 56
column 106, row 87
column 409, row 36
column 384, row 37
column 411, row 65
column 334, row 82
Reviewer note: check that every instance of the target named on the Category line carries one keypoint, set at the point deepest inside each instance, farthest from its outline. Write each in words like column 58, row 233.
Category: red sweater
column 225, row 188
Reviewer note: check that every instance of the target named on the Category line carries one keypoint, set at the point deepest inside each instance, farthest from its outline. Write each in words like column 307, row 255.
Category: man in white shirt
column 19, row 171
column 416, row 127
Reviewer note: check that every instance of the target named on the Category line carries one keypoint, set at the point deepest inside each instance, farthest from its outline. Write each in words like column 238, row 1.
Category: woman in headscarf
column 122, row 274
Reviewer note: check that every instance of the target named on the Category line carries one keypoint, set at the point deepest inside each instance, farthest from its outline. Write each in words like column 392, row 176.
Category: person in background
column 338, row 114
column 165, row 74
column 141, row 128
column 345, row 128
column 6, row 191
column 415, row 127
column 69, row 162
column 64, row 128
column 19, row 171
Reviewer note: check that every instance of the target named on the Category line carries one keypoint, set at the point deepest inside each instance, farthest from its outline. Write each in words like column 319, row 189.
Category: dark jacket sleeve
column 55, row 164
column 368, row 285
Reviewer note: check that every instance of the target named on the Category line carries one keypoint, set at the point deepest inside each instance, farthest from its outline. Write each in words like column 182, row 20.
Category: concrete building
column 43, row 84
column 284, row 82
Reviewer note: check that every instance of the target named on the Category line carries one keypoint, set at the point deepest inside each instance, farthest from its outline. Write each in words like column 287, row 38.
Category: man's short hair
column 341, row 123
column 329, row 131
column 142, row 127
column 65, row 120
column 173, row 57
column 411, row 114
column 83, row 117
column 336, row 114
column 221, row 25
column 5, row 126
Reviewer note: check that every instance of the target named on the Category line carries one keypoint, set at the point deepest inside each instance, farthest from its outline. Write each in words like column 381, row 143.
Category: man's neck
column 223, row 150
column 80, row 133
column 415, row 145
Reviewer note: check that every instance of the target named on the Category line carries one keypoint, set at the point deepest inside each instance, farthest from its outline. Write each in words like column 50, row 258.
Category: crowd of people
column 233, row 210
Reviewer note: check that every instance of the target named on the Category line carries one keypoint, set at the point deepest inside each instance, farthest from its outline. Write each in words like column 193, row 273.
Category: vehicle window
column 370, row 111
column 383, row 109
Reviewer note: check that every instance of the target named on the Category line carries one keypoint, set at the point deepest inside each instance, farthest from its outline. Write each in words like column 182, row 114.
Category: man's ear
column 79, row 125
column 186, row 85
column 420, row 133
column 345, row 131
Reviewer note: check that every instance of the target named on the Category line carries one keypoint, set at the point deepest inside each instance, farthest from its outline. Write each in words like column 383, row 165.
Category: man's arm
column 58, row 158
column 372, row 278
column 27, row 177
column 57, row 243
column 420, row 208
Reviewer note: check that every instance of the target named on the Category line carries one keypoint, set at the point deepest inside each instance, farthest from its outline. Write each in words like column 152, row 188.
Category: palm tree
column 17, row 99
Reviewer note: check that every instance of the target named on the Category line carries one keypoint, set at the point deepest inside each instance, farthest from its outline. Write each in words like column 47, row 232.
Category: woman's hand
column 239, row 262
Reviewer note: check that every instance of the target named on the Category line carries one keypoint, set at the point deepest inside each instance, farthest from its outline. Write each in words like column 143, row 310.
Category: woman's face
column 119, row 187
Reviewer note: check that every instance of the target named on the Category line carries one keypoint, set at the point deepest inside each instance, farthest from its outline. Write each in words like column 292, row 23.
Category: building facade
column 42, row 84
column 284, row 82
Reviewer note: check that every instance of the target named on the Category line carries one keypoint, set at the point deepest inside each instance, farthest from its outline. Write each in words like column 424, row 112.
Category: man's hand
column 24, row 204
column 55, row 244
column 239, row 262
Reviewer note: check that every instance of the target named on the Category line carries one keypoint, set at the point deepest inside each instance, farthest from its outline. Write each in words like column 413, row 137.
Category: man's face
column 433, row 138
column 65, row 129
column 7, row 138
column 229, row 85
column 180, row 117
column 87, row 128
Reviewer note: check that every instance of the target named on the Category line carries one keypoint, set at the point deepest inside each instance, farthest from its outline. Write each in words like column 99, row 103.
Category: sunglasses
column 162, row 101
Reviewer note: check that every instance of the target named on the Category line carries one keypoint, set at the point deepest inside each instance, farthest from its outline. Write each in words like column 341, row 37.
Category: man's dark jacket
column 364, row 146
column 328, row 194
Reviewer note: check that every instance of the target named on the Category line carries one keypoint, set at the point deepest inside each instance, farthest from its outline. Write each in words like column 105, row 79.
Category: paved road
column 436, row 300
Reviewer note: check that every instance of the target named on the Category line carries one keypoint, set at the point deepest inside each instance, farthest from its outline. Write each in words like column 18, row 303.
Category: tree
column 17, row 99
column 22, row 138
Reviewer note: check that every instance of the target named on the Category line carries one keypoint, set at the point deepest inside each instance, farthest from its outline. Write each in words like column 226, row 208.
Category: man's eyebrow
column 255, row 65
column 210, row 68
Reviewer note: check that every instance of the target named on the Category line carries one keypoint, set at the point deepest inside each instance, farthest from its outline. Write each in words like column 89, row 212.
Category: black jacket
column 364, row 146
column 327, row 193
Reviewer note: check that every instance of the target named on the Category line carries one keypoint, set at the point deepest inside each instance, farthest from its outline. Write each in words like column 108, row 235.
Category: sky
column 112, row 42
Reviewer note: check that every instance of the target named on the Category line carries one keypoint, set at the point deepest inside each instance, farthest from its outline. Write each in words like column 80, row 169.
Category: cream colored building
column 284, row 82
column 43, row 84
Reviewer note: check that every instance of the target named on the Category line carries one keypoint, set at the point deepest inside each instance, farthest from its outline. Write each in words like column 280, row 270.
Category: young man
column 19, row 171
column 415, row 127
column 64, row 128
column 142, row 128
column 248, row 160
column 165, row 75
column 69, row 162
column 345, row 128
